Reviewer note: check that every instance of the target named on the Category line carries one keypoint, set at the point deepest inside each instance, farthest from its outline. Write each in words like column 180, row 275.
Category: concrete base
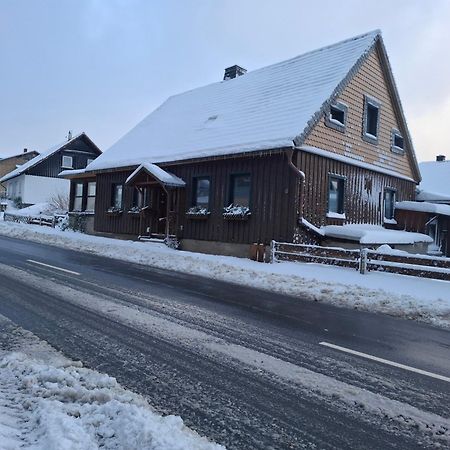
column 216, row 248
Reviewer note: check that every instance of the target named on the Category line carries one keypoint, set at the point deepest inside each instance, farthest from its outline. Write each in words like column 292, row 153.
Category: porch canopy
column 164, row 178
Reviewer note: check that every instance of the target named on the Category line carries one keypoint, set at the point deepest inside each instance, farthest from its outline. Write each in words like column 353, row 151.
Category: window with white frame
column 397, row 142
column 89, row 160
column 90, row 199
column 78, row 197
column 389, row 203
column 67, row 162
column 371, row 119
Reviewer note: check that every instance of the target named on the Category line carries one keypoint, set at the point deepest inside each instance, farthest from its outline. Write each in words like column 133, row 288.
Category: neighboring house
column 10, row 163
column 276, row 153
column 430, row 214
column 37, row 180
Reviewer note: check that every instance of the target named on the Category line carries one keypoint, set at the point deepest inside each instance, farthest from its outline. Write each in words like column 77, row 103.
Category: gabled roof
column 268, row 108
column 43, row 156
column 435, row 184
column 18, row 155
column 164, row 177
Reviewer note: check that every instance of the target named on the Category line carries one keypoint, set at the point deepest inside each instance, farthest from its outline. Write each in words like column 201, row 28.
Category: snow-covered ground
column 410, row 297
column 48, row 402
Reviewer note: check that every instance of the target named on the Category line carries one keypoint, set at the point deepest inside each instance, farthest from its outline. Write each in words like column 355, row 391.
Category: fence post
column 363, row 261
column 272, row 251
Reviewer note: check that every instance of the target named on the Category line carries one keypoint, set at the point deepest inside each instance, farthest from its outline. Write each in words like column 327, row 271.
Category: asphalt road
column 247, row 368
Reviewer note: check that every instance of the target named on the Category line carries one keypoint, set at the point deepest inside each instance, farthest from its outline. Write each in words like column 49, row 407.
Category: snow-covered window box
column 236, row 212
column 114, row 211
column 389, row 221
column 198, row 212
column 135, row 210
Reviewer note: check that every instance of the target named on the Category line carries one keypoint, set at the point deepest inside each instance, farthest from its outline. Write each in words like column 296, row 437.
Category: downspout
column 300, row 184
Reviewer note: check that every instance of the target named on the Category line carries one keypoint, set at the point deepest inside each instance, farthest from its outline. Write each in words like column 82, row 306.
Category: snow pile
column 65, row 406
column 373, row 234
column 37, row 210
column 435, row 184
column 412, row 297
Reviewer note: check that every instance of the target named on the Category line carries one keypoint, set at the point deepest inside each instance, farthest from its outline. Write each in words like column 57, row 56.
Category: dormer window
column 336, row 117
column 398, row 143
column 67, row 162
column 371, row 119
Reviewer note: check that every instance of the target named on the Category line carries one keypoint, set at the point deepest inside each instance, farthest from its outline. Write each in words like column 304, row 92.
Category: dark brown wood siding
column 273, row 186
column 363, row 190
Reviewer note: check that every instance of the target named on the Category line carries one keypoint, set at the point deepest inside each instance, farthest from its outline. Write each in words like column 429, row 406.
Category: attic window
column 398, row 143
column 337, row 116
column 67, row 162
column 371, row 119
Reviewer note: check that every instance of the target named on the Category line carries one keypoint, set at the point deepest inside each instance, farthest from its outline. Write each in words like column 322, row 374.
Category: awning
column 163, row 177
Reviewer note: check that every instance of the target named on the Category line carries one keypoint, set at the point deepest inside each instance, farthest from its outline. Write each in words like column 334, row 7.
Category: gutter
column 300, row 183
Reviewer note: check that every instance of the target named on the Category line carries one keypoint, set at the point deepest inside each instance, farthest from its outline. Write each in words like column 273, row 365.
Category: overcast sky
column 100, row 66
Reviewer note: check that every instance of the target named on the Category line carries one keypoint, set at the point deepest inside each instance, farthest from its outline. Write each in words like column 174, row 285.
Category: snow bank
column 373, row 234
column 415, row 298
column 65, row 406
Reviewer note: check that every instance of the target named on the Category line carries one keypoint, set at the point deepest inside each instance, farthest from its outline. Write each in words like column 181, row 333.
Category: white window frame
column 64, row 164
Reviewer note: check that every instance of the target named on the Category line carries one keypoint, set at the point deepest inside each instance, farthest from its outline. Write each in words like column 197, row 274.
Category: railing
column 49, row 221
column 364, row 260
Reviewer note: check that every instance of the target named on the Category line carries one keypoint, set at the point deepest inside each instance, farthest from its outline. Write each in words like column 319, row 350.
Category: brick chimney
column 440, row 158
column 25, row 150
column 233, row 72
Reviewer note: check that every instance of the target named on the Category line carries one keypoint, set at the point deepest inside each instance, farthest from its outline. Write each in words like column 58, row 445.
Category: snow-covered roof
column 37, row 159
column 69, row 172
column 263, row 109
column 433, row 208
column 435, row 184
column 373, row 234
column 18, row 155
column 164, row 177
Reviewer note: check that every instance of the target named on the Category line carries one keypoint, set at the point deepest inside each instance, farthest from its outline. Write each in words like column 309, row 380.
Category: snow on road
column 411, row 297
column 49, row 402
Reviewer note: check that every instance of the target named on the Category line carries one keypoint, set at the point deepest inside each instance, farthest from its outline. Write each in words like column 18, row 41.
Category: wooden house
column 37, row 181
column 430, row 214
column 275, row 153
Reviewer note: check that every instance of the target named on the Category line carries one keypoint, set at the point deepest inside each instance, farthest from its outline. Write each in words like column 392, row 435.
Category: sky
column 100, row 66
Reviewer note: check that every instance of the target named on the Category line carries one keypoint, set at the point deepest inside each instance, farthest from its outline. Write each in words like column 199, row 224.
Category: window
column 371, row 119
column 398, row 143
column 389, row 203
column 90, row 201
column 78, row 199
column 117, row 192
column 89, row 161
column 240, row 190
column 201, row 186
column 67, row 162
column 337, row 117
column 140, row 197
column 336, row 195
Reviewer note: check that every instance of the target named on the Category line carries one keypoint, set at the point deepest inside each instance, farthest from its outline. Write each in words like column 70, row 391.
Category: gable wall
column 9, row 164
column 52, row 166
column 368, row 80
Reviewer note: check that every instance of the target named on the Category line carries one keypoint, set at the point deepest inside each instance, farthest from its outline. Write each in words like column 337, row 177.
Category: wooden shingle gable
column 370, row 76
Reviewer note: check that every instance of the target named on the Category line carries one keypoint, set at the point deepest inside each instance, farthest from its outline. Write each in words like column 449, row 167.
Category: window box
column 136, row 211
column 197, row 212
column 236, row 212
column 335, row 215
column 113, row 211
